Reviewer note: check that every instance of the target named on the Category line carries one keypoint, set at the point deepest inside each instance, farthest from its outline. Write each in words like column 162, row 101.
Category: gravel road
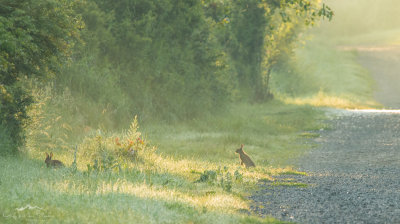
column 354, row 175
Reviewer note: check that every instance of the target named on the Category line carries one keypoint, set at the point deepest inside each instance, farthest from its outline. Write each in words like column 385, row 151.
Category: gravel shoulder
column 354, row 170
column 353, row 175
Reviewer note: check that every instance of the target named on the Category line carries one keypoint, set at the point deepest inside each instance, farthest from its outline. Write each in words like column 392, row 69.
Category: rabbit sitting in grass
column 244, row 158
column 52, row 163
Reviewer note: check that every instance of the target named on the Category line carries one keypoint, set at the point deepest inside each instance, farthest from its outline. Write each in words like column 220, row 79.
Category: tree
column 261, row 33
column 35, row 39
column 288, row 19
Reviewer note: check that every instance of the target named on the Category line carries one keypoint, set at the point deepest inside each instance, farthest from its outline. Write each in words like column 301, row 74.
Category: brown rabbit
column 244, row 158
column 52, row 163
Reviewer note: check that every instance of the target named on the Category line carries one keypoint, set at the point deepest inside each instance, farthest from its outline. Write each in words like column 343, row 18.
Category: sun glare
column 391, row 111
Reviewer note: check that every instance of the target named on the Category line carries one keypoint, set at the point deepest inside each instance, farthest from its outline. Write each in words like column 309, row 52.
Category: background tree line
column 170, row 60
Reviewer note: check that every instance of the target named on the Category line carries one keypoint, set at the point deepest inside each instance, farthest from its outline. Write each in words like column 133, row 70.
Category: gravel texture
column 353, row 175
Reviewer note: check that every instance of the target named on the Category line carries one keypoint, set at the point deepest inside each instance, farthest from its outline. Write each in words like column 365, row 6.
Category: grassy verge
column 268, row 131
column 194, row 176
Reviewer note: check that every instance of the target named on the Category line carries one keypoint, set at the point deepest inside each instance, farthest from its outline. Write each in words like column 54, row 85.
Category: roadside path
column 384, row 66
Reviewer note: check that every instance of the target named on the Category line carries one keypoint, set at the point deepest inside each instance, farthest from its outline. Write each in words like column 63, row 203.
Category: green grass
column 268, row 131
column 294, row 172
column 165, row 188
column 289, row 184
column 63, row 197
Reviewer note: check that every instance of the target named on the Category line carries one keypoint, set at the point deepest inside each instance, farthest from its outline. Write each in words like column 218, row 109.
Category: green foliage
column 257, row 34
column 6, row 145
column 226, row 182
column 13, row 104
column 157, row 54
column 224, row 176
column 238, row 176
column 48, row 129
column 106, row 153
column 74, row 165
column 208, row 176
column 178, row 60
column 165, row 60
column 35, row 38
column 248, row 28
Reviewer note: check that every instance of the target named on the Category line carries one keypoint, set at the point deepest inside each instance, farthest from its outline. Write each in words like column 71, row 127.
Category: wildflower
column 139, row 140
column 117, row 141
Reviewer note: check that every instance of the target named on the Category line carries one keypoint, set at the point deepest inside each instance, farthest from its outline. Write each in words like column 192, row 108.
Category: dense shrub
column 13, row 105
column 107, row 153
column 35, row 37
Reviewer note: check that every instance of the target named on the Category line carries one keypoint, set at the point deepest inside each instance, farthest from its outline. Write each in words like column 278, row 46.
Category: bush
column 160, row 61
column 13, row 115
column 106, row 153
column 223, row 175
column 6, row 145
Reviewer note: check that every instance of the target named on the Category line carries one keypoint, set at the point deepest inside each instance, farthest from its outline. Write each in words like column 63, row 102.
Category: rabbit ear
column 241, row 146
column 51, row 154
column 47, row 155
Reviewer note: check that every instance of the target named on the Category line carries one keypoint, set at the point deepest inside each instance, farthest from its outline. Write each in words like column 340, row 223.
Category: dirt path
column 384, row 66
column 354, row 173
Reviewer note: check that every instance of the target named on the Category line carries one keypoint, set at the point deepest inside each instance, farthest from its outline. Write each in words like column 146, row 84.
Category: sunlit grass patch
column 288, row 184
column 310, row 135
column 322, row 99
column 293, row 172
column 220, row 201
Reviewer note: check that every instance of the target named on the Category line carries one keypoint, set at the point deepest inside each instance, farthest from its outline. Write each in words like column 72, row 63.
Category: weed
column 208, row 176
column 238, row 176
column 289, row 184
column 293, row 172
column 226, row 182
